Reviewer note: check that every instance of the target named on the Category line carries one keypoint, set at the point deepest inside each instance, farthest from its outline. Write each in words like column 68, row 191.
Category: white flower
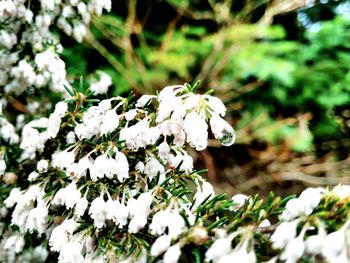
column 63, row 159
column 53, row 126
column 8, row 133
column 13, row 197
column 32, row 193
column 141, row 205
column 192, row 102
column 117, row 212
column 79, row 169
column 15, row 242
column 67, row 196
column 196, row 130
column 187, row 163
column 139, row 210
column 97, row 6
column 81, row 206
column 2, row 167
column 334, row 244
column 101, row 86
column 140, row 166
column 170, row 219
column 153, row 167
column 122, row 166
column 311, row 198
column 293, row 250
column 314, row 244
column 110, row 122
column 37, row 219
column 49, row 5
column 139, row 135
column 220, row 233
column 3, row 212
column 105, row 105
column 61, row 109
column 79, row 31
column 284, row 233
column 163, row 150
column 40, row 253
column 293, row 209
column 216, row 105
column 70, row 137
column 222, row 130
column 184, row 159
column 206, row 191
column 220, row 247
column 143, row 100
column 172, row 255
column 343, row 257
column 81, row 131
column 342, row 191
column 137, row 223
column 239, row 200
column 165, row 128
column 7, row 40
column 62, row 234
column 177, row 120
column 179, row 138
column 97, row 212
column 168, row 102
column 176, row 224
column 42, row 166
column 130, row 115
column 303, row 205
column 71, row 253
column 161, row 244
column 159, row 222
column 102, row 166
column 7, row 8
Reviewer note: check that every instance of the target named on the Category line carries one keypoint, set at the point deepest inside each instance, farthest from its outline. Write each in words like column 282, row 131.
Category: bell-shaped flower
column 161, row 244
column 173, row 254
column 196, row 130
column 284, row 233
column 220, row 247
column 293, row 250
column 110, row 122
column 62, row 234
column 153, row 167
column 97, row 212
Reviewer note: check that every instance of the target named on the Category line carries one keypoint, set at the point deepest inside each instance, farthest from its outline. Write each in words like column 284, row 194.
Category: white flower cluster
column 27, row 26
column 333, row 247
column 37, row 132
column 113, row 182
column 144, row 150
column 7, row 131
column 303, row 205
column 120, row 169
column 101, row 84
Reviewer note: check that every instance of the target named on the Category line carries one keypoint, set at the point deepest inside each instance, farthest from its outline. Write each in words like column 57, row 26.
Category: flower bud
column 199, row 235
column 9, row 178
column 42, row 166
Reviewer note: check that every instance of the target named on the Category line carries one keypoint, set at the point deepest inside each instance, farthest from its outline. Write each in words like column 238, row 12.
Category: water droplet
column 228, row 136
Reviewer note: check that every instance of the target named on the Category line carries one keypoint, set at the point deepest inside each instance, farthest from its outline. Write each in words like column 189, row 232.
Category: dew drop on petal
column 228, row 136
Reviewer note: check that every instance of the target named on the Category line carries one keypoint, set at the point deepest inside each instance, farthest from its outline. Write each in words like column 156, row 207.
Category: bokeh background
column 281, row 67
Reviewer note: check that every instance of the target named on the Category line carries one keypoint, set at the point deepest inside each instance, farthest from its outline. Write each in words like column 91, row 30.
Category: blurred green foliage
column 288, row 82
